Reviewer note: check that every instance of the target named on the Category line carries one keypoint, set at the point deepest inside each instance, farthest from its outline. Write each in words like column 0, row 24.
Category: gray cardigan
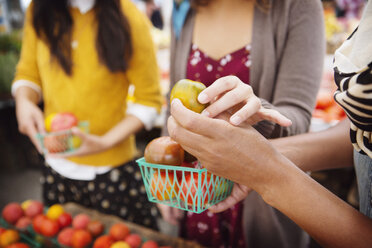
column 288, row 46
column 287, row 55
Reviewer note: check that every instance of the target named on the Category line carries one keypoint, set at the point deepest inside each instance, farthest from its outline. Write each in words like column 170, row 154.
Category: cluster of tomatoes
column 58, row 228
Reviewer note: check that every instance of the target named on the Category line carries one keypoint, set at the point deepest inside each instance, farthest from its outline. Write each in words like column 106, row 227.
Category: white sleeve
column 146, row 114
column 20, row 83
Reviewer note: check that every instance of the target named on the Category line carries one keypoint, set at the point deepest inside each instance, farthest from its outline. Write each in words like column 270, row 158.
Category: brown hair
column 262, row 4
column 53, row 23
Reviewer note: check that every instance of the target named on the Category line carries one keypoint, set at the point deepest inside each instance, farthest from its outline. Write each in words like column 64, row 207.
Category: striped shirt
column 353, row 76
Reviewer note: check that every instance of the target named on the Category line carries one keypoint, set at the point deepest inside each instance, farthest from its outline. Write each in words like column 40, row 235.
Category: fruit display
column 56, row 227
column 59, row 138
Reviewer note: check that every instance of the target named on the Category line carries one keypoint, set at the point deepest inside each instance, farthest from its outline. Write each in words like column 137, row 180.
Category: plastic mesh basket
column 181, row 187
column 62, row 141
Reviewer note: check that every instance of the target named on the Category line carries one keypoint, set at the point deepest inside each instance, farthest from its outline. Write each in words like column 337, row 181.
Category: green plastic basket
column 181, row 187
column 62, row 141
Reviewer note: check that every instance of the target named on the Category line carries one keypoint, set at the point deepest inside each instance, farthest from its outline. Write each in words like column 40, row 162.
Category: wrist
column 280, row 182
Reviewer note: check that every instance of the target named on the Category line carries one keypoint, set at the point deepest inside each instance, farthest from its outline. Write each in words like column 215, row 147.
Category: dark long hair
column 53, row 23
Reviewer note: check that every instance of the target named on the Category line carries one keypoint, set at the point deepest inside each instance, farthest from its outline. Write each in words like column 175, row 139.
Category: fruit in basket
column 60, row 121
column 150, row 244
column 188, row 91
column 37, row 222
column 80, row 221
column 64, row 220
column 65, row 236
column 9, row 237
column 119, row 231
column 32, row 208
column 12, row 212
column 120, row 244
column 56, row 143
column 49, row 228
column 162, row 185
column 104, row 241
column 190, row 188
column 95, row 227
column 81, row 238
column 134, row 240
column 18, row 245
column 23, row 222
column 55, row 211
column 164, row 150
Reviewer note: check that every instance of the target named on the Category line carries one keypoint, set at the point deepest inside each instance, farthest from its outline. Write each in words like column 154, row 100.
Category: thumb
column 77, row 132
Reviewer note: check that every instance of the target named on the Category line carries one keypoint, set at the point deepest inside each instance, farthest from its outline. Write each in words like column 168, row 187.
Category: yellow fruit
column 48, row 122
column 75, row 142
column 120, row 244
column 55, row 211
column 25, row 204
column 188, row 91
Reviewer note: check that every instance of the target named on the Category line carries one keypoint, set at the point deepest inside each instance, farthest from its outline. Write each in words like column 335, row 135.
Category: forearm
column 320, row 150
column 328, row 219
column 26, row 93
column 128, row 126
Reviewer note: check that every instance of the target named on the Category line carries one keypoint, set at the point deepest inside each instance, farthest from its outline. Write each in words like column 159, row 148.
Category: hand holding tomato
column 90, row 144
column 232, row 95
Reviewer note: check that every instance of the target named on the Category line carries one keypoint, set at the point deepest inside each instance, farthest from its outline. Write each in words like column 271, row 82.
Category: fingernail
column 205, row 113
column 203, row 98
column 235, row 120
column 176, row 102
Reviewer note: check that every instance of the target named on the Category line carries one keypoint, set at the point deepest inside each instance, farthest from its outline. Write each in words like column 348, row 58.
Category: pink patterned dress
column 224, row 229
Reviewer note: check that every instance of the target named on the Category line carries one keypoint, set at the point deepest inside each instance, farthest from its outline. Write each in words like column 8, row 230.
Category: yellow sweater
column 92, row 92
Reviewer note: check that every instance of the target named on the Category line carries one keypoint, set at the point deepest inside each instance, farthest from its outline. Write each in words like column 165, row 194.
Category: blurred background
column 19, row 161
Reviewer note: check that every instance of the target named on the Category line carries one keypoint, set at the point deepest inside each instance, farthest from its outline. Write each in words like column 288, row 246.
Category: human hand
column 90, row 144
column 238, row 193
column 239, row 154
column 231, row 94
column 30, row 120
column 169, row 214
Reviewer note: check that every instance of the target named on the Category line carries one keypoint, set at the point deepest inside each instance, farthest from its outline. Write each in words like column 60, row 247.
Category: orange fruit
column 188, row 91
column 55, row 211
column 120, row 244
column 9, row 237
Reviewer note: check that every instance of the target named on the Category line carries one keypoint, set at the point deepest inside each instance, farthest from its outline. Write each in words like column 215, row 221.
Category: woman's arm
column 247, row 158
column 299, row 70
column 316, row 151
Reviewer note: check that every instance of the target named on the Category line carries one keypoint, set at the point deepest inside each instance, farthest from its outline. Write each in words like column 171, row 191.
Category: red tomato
column 150, row 244
column 159, row 182
column 18, row 245
column 191, row 185
column 49, row 227
column 65, row 236
column 81, row 238
column 12, row 212
column 37, row 222
column 64, row 220
column 56, row 143
column 134, row 240
column 95, row 227
column 63, row 121
column 119, row 231
column 104, row 241
column 164, row 150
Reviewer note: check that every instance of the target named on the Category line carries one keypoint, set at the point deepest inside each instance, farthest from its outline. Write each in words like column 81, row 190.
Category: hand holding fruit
column 90, row 144
column 231, row 94
column 239, row 154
